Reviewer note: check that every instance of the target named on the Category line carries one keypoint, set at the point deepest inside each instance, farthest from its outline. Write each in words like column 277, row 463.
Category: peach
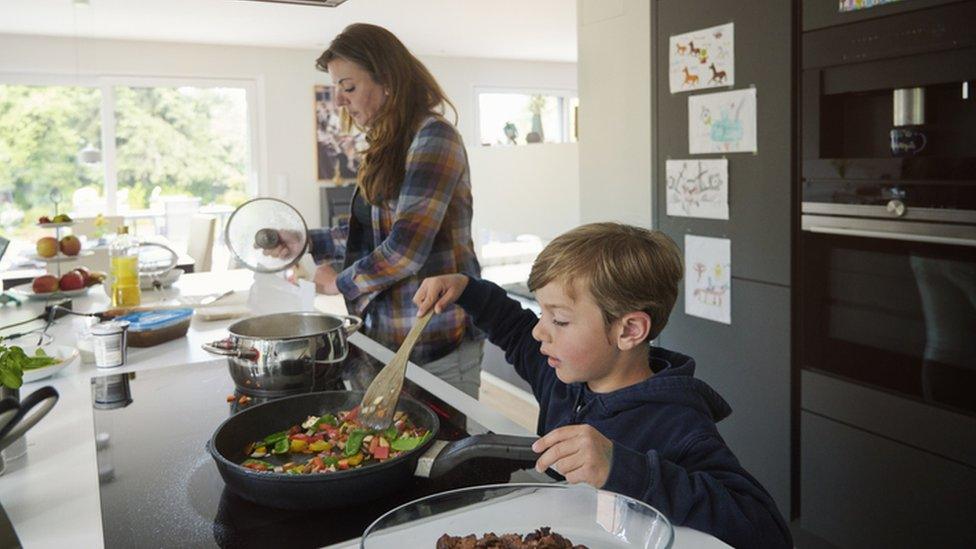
column 47, row 247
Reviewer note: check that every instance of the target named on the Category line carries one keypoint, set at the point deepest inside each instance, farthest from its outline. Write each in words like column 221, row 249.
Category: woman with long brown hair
column 411, row 210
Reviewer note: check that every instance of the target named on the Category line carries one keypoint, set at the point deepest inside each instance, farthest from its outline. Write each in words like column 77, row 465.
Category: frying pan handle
column 481, row 446
column 44, row 399
column 350, row 324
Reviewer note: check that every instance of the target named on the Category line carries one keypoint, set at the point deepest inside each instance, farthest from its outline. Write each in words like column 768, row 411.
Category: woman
column 411, row 211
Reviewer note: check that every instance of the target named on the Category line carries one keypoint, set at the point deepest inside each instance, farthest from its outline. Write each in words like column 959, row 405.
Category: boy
column 617, row 413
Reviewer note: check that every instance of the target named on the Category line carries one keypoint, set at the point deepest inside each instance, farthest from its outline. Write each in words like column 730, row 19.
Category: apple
column 71, row 281
column 44, row 219
column 45, row 284
column 47, row 246
column 70, row 245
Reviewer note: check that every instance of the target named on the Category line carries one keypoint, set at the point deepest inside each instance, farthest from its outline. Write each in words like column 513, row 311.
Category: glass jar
column 124, row 268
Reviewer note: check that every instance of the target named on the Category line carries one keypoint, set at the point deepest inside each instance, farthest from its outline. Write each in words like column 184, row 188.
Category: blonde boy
column 616, row 412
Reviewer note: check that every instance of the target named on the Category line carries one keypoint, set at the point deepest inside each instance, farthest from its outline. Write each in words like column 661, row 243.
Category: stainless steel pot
column 285, row 353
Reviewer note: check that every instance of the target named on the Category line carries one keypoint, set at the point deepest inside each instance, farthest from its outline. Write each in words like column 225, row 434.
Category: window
column 123, row 147
column 518, row 118
column 42, row 131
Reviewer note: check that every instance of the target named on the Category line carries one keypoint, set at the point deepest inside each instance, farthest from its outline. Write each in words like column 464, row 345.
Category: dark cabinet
column 335, row 203
column 749, row 361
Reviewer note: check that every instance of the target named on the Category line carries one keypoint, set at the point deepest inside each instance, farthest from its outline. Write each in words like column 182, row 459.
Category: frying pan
column 44, row 399
column 343, row 488
column 8, row 408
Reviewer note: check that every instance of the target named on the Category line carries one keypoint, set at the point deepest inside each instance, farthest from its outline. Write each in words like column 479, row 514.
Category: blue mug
column 907, row 141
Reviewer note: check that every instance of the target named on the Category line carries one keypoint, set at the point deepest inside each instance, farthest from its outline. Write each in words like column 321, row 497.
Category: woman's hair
column 413, row 95
column 625, row 269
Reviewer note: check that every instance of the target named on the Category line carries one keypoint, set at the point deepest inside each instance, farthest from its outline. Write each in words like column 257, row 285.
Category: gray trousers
column 462, row 367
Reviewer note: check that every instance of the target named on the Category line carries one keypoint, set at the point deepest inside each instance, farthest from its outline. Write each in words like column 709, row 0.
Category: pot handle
column 226, row 347
column 350, row 324
column 450, row 455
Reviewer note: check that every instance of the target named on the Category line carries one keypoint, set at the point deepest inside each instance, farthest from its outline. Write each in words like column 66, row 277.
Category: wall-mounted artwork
column 708, row 278
column 852, row 5
column 702, row 59
column 337, row 152
column 698, row 188
column 723, row 122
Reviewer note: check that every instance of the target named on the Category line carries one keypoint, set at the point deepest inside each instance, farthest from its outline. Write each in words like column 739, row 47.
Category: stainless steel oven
column 888, row 263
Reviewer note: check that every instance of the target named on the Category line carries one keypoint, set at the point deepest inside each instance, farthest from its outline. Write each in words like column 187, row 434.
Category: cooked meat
column 543, row 538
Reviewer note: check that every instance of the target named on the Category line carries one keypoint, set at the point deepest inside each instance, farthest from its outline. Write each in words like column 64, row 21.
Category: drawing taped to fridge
column 723, row 122
column 698, row 188
column 702, row 59
column 708, row 278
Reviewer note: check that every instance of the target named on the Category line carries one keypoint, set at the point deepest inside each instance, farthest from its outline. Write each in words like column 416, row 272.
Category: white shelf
column 61, row 258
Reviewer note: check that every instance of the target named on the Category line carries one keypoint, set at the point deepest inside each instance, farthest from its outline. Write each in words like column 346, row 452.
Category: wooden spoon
column 380, row 401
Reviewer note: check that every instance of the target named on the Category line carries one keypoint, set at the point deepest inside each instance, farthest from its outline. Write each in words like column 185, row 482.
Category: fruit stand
column 60, row 249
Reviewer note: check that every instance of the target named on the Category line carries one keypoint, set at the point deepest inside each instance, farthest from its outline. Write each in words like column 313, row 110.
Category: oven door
column 891, row 303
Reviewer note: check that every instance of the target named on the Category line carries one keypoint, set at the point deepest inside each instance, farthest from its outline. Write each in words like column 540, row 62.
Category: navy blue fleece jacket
column 666, row 449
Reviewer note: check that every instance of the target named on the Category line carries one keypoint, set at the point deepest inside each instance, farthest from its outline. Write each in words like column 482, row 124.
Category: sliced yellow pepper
column 298, row 445
column 355, row 460
column 320, row 446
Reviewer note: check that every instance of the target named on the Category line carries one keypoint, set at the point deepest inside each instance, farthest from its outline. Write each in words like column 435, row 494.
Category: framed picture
column 337, row 153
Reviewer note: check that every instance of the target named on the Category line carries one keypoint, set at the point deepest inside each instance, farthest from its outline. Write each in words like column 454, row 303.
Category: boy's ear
column 634, row 329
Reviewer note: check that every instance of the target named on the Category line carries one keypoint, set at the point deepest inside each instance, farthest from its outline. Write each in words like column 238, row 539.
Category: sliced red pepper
column 299, row 436
column 374, row 444
column 381, row 452
column 353, row 414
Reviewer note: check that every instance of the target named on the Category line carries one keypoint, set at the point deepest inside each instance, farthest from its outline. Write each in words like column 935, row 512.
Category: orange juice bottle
column 124, row 267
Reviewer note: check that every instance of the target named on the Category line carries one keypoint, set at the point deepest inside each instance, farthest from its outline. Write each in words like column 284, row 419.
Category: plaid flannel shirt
column 425, row 232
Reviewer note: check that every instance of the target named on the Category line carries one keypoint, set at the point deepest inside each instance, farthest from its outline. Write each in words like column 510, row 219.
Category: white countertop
column 51, row 495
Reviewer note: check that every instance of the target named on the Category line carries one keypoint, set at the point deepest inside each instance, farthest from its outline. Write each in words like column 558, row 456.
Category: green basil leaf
column 408, row 443
column 275, row 437
column 281, row 446
column 355, row 441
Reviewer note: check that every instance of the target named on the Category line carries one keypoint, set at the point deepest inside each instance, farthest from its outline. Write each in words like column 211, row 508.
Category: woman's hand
column 439, row 292
column 325, row 280
column 578, row 452
column 289, row 243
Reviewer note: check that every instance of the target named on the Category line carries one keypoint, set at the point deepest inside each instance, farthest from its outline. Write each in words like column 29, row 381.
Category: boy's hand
column 439, row 292
column 578, row 452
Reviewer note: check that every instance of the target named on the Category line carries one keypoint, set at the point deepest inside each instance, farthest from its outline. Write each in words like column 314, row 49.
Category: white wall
column 285, row 124
column 532, row 189
column 523, row 189
column 614, row 69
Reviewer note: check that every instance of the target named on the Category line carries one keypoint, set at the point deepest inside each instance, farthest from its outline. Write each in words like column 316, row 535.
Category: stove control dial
column 896, row 208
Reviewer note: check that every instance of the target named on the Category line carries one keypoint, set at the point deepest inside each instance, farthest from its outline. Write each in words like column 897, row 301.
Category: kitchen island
column 52, row 495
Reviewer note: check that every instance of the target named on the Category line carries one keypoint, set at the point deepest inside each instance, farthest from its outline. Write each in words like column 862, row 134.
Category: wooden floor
column 510, row 401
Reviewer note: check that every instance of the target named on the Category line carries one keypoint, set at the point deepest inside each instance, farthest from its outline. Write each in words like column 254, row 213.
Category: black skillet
column 343, row 488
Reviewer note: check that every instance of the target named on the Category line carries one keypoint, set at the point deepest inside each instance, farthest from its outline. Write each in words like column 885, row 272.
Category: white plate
column 61, row 258
column 27, row 291
column 65, row 354
column 56, row 225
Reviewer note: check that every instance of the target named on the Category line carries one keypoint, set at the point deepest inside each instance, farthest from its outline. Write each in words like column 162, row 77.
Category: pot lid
column 155, row 259
column 261, row 225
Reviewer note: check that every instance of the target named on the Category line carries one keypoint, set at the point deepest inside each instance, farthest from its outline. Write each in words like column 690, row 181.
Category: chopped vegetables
column 325, row 444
